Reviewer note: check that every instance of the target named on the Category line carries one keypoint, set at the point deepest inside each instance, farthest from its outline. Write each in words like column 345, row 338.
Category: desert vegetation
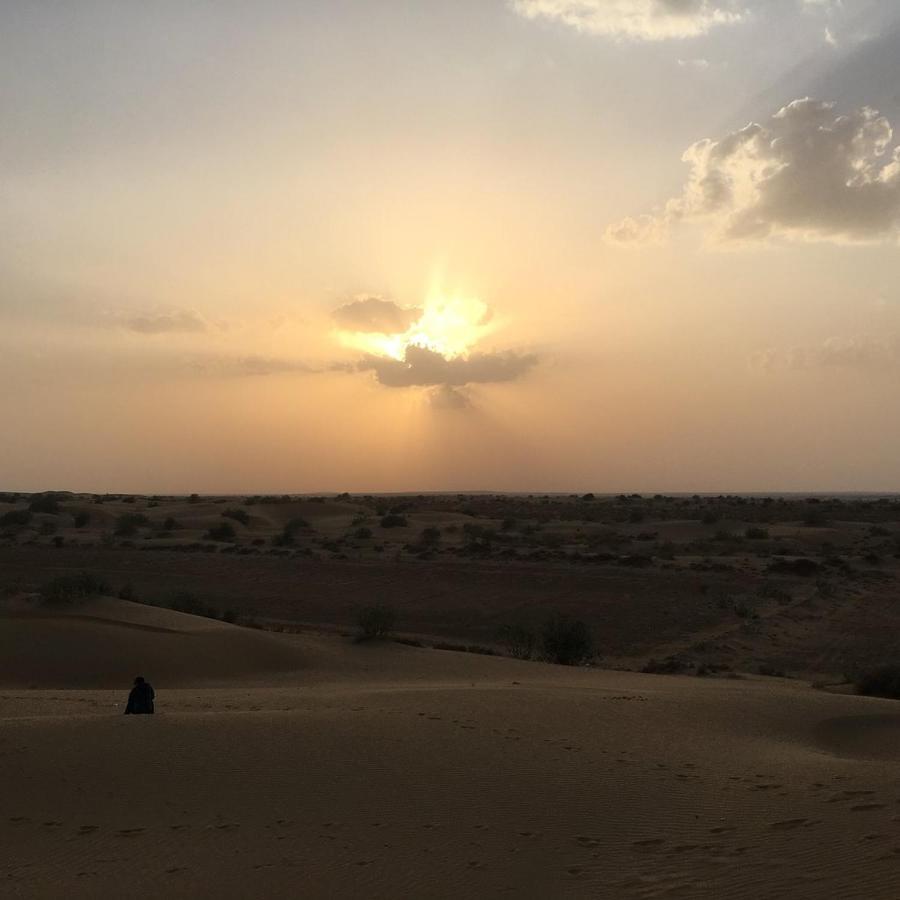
column 782, row 581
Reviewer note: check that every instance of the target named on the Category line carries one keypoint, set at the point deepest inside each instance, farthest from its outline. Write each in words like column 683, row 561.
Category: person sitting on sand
column 140, row 700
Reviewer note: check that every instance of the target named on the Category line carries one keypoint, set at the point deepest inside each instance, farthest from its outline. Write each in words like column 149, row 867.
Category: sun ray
column 450, row 326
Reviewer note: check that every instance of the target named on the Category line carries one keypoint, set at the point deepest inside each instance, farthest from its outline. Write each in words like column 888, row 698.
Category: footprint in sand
column 129, row 832
column 787, row 824
column 17, row 819
column 88, row 829
column 722, row 829
column 650, row 842
column 865, row 807
column 587, row 841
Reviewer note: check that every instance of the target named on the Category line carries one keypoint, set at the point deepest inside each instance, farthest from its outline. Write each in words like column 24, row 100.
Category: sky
column 417, row 245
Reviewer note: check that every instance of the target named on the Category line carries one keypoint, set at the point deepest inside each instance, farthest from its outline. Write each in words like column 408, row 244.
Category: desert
column 288, row 757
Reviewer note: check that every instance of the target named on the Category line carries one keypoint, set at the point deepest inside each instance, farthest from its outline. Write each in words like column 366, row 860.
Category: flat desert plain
column 305, row 765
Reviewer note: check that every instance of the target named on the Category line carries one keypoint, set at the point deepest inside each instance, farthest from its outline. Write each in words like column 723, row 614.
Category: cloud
column 373, row 314
column 807, row 173
column 422, row 367
column 249, row 366
column 185, row 321
column 699, row 64
column 446, row 397
column 860, row 352
column 648, row 20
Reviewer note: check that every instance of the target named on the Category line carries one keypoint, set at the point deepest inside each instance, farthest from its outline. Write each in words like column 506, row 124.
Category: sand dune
column 318, row 768
column 107, row 642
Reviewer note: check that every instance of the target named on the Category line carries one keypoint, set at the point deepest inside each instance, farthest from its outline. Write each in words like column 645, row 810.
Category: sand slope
column 390, row 771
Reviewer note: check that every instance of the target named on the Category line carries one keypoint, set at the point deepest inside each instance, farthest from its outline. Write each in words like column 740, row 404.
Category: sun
column 450, row 326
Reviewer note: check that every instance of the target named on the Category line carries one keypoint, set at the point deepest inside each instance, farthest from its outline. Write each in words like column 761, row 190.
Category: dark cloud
column 446, row 397
column 424, row 368
column 372, row 314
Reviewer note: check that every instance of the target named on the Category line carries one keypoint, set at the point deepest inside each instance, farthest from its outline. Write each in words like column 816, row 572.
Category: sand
column 305, row 765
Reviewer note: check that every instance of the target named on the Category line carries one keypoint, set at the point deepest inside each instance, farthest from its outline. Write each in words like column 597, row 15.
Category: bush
column 15, row 518
column 362, row 533
column 518, row 641
column 223, row 532
column 287, row 538
column 81, row 519
column 128, row 523
column 881, row 682
column 757, row 534
column 567, row 642
column 239, row 515
column 430, row 536
column 186, row 602
column 671, row 665
column 375, row 622
column 44, row 503
column 392, row 520
column 803, row 567
column 70, row 589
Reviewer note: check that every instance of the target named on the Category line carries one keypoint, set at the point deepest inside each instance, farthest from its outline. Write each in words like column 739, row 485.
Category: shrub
column 393, row 520
column 44, row 503
column 802, row 566
column 69, row 589
column 375, row 622
column 186, row 602
column 128, row 523
column 757, row 534
column 770, row 671
column 81, row 519
column 567, row 642
column 671, row 665
column 431, row 536
column 287, row 538
column 518, row 641
column 239, row 515
column 881, row 682
column 15, row 518
column 362, row 533
column 223, row 532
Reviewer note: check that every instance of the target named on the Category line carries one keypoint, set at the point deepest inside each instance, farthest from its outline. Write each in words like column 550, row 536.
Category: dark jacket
column 140, row 700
